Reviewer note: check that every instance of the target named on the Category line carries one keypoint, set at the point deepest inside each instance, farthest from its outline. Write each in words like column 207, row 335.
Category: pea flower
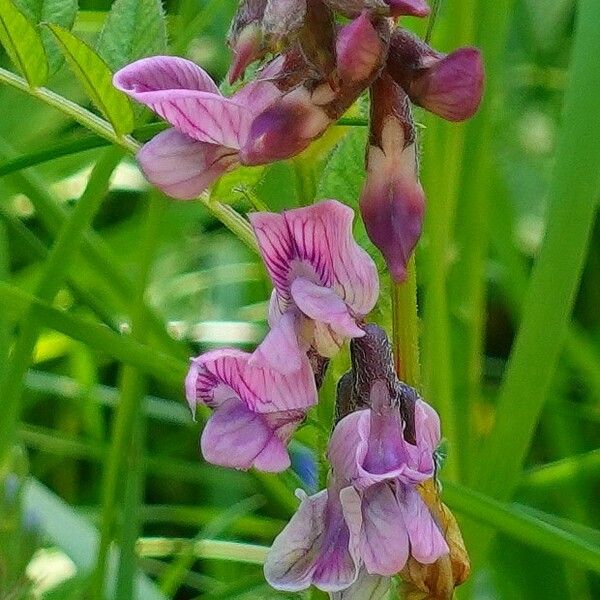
column 274, row 117
column 448, row 85
column 363, row 528
column 324, row 282
column 208, row 129
column 392, row 203
column 255, row 410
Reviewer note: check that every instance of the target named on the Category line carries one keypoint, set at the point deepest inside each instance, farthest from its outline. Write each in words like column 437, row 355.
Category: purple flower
column 450, row 86
column 255, row 409
column 392, row 202
column 325, row 283
column 208, row 129
column 363, row 528
column 295, row 119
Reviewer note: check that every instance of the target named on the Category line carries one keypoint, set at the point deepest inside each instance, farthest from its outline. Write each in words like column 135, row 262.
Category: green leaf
column 23, row 44
column 133, row 29
column 529, row 528
column 344, row 174
column 59, row 12
column 96, row 78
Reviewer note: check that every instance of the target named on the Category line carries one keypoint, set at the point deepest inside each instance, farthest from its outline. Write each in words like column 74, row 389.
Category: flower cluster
column 350, row 538
column 380, row 513
column 324, row 286
column 318, row 71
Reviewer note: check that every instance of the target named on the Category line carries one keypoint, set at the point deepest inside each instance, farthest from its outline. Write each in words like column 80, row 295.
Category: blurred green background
column 510, row 248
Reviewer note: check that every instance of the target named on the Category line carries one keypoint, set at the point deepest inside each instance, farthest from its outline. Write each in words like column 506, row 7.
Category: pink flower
column 274, row 117
column 255, row 410
column 325, row 283
column 392, row 203
column 363, row 528
column 208, row 129
column 450, row 86
column 295, row 119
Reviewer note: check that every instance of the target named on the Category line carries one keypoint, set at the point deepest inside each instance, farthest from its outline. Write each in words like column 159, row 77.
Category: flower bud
column 246, row 37
column 392, row 202
column 450, row 86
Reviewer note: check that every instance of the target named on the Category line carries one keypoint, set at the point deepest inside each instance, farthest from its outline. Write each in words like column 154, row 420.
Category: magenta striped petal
column 160, row 73
column 276, row 248
column 182, row 167
column 184, row 95
column 221, row 374
column 323, row 241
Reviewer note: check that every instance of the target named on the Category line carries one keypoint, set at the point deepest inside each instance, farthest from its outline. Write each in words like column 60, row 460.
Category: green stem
column 62, row 253
column 405, row 325
column 84, row 117
column 132, row 454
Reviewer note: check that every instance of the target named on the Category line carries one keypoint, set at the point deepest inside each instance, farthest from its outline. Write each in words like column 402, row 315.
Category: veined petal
column 238, row 438
column 313, row 548
column 276, row 248
column 322, row 304
column 322, row 236
column 290, row 562
column 184, row 95
column 383, row 536
column 161, row 73
column 182, row 167
column 358, row 49
column 427, row 542
column 215, row 374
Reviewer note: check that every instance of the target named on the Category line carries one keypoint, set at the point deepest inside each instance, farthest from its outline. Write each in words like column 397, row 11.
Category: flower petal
column 414, row 8
column 347, row 445
column 163, row 73
column 358, row 49
column 238, row 438
column 312, row 548
column 322, row 236
column 280, row 349
column 392, row 203
column 182, row 167
column 276, row 248
column 453, row 86
column 215, row 374
column 322, row 304
column 383, row 536
column 427, row 542
column 184, row 95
